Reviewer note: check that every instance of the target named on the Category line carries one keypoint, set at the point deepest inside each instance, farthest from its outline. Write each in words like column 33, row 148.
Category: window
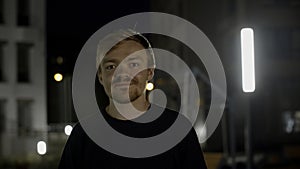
column 23, row 8
column 23, row 62
column 24, row 116
column 2, row 114
column 1, row 11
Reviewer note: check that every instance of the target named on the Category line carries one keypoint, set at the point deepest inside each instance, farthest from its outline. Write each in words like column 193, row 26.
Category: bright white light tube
column 248, row 68
column 68, row 129
column 41, row 147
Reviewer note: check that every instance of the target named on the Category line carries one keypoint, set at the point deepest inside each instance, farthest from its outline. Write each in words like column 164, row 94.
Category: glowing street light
column 248, row 68
column 59, row 60
column 68, row 129
column 58, row 77
column 41, row 148
column 149, row 86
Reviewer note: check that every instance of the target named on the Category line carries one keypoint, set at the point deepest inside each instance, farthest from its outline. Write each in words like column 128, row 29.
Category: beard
column 124, row 98
column 127, row 94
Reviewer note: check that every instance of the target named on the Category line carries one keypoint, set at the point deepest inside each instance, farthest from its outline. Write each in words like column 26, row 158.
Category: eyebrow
column 106, row 60
column 135, row 58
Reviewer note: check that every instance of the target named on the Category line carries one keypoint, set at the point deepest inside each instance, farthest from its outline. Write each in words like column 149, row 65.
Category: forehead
column 125, row 48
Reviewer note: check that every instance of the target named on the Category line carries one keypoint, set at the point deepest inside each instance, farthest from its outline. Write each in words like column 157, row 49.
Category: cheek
column 142, row 77
column 106, row 79
column 107, row 76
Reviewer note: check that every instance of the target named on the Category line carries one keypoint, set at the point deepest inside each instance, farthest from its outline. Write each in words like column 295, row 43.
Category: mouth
column 121, row 85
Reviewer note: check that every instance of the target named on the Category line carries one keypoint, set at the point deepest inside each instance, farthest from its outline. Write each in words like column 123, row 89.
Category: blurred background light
column 59, row 60
column 41, row 147
column 248, row 69
column 68, row 129
column 58, row 77
column 149, row 86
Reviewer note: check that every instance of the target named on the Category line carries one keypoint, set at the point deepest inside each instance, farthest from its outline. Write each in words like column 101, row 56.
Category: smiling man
column 124, row 72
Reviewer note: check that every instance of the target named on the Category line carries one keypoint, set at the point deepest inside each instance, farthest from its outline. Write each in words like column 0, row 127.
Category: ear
column 99, row 74
column 150, row 73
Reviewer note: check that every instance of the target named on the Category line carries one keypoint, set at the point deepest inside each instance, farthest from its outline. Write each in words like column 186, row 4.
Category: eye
column 134, row 64
column 110, row 67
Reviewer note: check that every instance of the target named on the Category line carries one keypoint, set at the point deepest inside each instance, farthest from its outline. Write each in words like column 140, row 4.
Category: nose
column 121, row 78
column 122, row 72
column 122, row 75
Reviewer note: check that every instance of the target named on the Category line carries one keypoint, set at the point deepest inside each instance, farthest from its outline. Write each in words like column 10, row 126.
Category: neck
column 127, row 111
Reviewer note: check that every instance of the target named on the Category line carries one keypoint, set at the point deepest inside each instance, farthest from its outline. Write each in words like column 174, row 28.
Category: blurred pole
column 225, row 134
column 248, row 138
column 228, row 137
column 232, row 138
column 248, row 80
column 67, row 99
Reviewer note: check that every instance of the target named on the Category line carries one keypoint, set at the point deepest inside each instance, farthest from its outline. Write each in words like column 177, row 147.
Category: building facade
column 23, row 116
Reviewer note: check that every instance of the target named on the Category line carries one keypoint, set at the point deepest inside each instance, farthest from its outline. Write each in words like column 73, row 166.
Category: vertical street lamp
column 248, row 78
column 248, row 69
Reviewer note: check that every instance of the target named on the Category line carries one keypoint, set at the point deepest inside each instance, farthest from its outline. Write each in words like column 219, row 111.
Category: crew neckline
column 106, row 114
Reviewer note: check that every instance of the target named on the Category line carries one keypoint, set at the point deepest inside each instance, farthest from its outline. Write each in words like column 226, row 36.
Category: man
column 124, row 72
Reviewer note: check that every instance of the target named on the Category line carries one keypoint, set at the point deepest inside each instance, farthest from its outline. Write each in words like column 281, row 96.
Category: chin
column 124, row 100
column 121, row 101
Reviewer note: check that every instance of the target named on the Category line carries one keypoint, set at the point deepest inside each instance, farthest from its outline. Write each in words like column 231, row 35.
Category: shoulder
column 184, row 122
column 178, row 117
column 77, row 136
column 77, row 130
column 73, row 149
column 164, row 112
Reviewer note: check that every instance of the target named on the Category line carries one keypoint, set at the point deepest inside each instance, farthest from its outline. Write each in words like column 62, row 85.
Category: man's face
column 116, row 82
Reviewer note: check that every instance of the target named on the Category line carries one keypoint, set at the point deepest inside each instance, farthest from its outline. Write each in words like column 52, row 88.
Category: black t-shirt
column 81, row 152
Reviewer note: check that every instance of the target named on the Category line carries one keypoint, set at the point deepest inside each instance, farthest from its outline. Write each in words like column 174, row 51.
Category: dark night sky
column 71, row 23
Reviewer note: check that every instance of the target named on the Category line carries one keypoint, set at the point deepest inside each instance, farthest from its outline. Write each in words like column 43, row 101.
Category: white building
column 23, row 116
